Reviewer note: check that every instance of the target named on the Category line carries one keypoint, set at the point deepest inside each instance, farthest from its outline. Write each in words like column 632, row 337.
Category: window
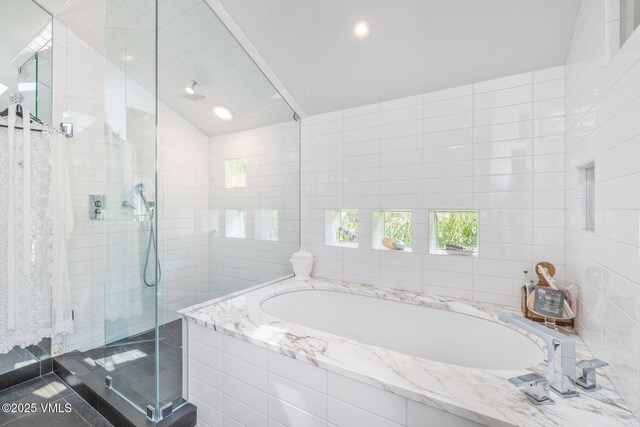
column 590, row 197
column 235, row 173
column 393, row 230
column 629, row 18
column 235, row 221
column 454, row 232
column 266, row 222
column 341, row 227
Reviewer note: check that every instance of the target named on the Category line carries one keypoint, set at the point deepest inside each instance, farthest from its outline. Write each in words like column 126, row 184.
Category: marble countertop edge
column 240, row 316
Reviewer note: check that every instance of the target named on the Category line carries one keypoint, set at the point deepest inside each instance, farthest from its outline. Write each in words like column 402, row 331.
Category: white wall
column 494, row 146
column 78, row 75
column 100, row 165
column 603, row 105
column 183, row 179
column 272, row 156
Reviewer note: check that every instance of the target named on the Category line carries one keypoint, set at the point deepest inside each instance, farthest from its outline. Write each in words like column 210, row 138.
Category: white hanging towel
column 61, row 226
column 26, row 200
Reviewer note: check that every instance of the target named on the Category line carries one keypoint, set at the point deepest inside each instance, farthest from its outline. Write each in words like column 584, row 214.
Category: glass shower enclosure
column 25, row 67
column 198, row 187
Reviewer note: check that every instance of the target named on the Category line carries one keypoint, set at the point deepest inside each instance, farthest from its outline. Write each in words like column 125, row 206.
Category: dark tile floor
column 131, row 365
column 48, row 389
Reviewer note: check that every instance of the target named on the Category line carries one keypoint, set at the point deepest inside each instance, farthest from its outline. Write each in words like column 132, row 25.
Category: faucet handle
column 535, row 387
column 587, row 380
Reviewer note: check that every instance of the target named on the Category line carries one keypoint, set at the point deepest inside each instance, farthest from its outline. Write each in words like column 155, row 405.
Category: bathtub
column 443, row 336
column 324, row 352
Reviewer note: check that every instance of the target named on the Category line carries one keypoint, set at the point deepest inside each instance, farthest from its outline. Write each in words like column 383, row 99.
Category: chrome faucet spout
column 561, row 353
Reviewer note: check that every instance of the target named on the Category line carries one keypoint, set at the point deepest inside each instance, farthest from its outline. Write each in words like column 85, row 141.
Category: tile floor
column 131, row 364
column 48, row 389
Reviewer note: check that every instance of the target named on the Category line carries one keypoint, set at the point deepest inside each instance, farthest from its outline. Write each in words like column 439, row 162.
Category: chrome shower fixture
column 127, row 204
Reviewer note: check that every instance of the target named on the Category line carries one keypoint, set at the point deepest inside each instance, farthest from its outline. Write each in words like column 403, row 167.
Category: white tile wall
column 240, row 384
column 495, row 146
column 106, row 258
column 603, row 99
column 272, row 156
column 78, row 76
column 112, row 167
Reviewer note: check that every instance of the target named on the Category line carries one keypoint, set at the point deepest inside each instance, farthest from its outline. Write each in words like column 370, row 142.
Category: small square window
column 454, row 232
column 235, row 173
column 266, row 223
column 341, row 227
column 590, row 197
column 235, row 223
column 393, row 230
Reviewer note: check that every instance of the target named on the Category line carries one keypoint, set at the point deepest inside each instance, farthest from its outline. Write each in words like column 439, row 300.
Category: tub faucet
column 561, row 353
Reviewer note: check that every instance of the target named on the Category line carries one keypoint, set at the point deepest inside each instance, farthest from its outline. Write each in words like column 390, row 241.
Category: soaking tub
column 332, row 353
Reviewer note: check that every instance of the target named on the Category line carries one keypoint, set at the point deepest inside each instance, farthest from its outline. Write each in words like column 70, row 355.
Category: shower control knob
column 96, row 206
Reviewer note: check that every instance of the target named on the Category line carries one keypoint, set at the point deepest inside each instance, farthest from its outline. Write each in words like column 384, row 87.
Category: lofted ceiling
column 415, row 46
column 193, row 44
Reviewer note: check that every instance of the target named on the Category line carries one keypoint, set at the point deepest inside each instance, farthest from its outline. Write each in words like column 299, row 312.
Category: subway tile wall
column 78, row 80
column 603, row 102
column 272, row 155
column 100, row 165
column 494, row 146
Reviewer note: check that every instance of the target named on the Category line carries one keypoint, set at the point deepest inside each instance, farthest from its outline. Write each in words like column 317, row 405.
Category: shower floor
column 48, row 389
column 131, row 365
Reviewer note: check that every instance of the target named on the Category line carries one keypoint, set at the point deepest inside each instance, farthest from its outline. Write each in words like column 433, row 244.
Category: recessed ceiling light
column 361, row 30
column 223, row 112
column 191, row 89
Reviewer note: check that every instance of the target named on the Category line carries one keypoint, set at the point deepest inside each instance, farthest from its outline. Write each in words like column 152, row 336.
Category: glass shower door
column 132, row 270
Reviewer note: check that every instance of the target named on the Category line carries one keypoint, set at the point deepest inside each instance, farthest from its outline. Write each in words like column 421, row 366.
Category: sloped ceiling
column 415, row 45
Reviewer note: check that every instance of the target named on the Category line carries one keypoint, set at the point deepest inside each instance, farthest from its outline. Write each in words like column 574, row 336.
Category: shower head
column 140, row 189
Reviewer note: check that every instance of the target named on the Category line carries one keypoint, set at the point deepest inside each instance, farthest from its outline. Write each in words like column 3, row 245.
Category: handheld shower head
column 140, row 189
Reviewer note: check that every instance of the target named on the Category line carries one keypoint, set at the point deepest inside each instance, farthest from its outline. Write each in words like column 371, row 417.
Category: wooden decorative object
column 529, row 298
column 531, row 315
column 550, row 267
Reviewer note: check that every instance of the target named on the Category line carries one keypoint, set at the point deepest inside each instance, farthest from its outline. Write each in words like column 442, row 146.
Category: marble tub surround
column 483, row 396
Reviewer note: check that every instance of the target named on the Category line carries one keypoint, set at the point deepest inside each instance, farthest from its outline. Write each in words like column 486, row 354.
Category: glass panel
column 26, row 56
column 228, row 174
column 26, row 29
column 629, row 18
column 130, row 224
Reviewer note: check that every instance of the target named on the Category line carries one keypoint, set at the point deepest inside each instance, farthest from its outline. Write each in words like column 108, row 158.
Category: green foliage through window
column 398, row 225
column 348, row 229
column 235, row 173
column 456, row 228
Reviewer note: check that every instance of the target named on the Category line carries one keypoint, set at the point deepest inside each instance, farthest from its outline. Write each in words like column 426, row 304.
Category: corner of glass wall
column 199, row 183
column 131, row 358
column 26, row 323
column 228, row 175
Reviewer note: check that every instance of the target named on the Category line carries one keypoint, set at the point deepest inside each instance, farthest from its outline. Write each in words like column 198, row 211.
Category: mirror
column 25, row 66
column 26, row 56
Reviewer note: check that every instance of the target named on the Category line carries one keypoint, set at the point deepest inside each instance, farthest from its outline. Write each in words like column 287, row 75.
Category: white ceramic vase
column 302, row 262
